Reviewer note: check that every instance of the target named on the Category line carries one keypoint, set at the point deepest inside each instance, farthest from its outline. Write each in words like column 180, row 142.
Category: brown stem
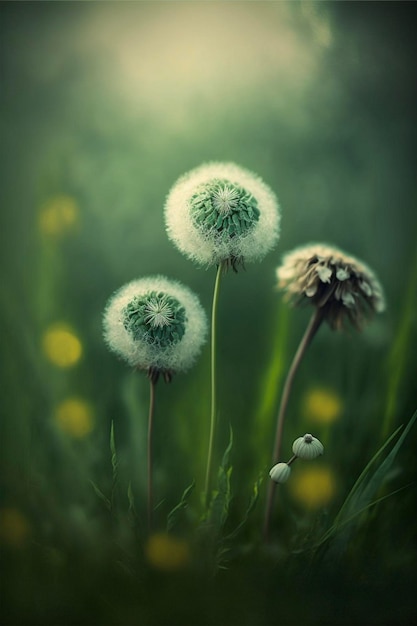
column 312, row 328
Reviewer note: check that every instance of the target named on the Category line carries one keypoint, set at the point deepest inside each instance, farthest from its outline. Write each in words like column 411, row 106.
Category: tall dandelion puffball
column 220, row 212
column 342, row 286
column 155, row 324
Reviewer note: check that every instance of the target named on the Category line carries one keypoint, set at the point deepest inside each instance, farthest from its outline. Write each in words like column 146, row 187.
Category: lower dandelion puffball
column 155, row 324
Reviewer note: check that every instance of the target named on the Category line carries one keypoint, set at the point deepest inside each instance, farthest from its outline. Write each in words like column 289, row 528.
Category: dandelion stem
column 312, row 328
column 292, row 459
column 150, row 463
column 213, row 382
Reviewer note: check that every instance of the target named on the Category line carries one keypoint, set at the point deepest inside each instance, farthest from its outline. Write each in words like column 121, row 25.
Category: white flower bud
column 280, row 472
column 307, row 447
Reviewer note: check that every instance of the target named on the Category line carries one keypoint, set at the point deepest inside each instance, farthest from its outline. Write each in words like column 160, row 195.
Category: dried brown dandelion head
column 343, row 287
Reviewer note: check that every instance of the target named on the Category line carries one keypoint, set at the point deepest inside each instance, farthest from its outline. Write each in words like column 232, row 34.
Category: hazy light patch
column 198, row 53
column 58, row 215
column 319, row 23
column 14, row 527
column 61, row 345
column 322, row 406
column 74, row 417
column 167, row 553
column 144, row 76
column 313, row 487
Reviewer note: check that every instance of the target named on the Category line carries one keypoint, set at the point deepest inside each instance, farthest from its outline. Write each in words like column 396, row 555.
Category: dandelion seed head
column 225, row 197
column 158, row 311
column 155, row 323
column 220, row 211
column 342, row 286
column 155, row 318
column 223, row 210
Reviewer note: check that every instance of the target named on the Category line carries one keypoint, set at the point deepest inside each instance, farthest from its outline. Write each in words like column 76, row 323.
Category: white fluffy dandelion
column 222, row 213
column 155, row 324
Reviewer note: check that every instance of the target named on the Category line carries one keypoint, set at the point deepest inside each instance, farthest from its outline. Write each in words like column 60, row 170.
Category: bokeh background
column 103, row 106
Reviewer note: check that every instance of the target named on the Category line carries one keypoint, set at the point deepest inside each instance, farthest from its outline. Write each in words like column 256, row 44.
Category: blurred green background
column 103, row 106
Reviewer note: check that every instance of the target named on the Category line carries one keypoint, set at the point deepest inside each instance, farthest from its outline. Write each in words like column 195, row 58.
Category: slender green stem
column 150, row 459
column 213, row 383
column 312, row 328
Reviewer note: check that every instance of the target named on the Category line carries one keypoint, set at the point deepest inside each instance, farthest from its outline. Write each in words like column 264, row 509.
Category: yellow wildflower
column 167, row 553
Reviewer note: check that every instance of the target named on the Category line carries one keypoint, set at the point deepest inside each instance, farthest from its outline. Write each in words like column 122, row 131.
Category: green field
column 104, row 105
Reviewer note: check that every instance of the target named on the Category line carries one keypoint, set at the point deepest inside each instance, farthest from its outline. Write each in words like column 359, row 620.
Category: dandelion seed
column 225, row 198
column 158, row 311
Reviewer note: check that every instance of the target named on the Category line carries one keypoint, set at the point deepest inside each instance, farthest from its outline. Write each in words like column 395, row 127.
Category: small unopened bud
column 307, row 447
column 280, row 472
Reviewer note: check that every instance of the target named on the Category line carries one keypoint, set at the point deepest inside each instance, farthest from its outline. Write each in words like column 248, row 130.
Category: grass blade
column 174, row 516
column 360, row 498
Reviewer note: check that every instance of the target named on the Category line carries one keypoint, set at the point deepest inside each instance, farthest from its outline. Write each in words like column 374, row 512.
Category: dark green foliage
column 362, row 495
column 104, row 103
column 176, row 515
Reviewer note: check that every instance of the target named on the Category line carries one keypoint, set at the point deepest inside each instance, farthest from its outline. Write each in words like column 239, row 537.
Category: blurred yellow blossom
column 313, row 487
column 58, row 215
column 61, row 346
column 14, row 527
column 167, row 553
column 74, row 417
column 322, row 406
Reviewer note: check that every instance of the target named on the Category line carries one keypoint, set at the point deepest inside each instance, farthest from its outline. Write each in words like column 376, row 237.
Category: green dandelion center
column 224, row 209
column 156, row 318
